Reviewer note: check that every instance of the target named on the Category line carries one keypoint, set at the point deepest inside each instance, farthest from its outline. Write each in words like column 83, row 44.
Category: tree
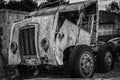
column 28, row 5
column 23, row 5
column 53, row 3
column 2, row 4
column 13, row 5
column 113, row 7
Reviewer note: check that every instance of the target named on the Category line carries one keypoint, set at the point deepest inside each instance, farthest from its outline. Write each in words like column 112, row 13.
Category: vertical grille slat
column 20, row 43
column 27, row 41
column 32, row 41
column 24, row 46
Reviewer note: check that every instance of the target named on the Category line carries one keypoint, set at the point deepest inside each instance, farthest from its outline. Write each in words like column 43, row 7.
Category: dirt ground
column 115, row 73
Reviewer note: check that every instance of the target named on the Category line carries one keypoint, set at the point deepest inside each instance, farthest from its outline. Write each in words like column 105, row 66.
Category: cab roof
column 64, row 8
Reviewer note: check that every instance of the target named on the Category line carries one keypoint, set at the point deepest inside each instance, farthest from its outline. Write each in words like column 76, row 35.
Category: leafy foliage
column 2, row 4
column 23, row 5
column 29, row 5
column 113, row 7
column 53, row 3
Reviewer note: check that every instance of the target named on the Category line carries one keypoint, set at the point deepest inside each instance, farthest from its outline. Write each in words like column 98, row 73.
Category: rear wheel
column 104, row 59
column 81, row 62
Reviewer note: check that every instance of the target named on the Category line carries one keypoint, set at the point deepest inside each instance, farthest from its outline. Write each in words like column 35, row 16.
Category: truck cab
column 59, row 36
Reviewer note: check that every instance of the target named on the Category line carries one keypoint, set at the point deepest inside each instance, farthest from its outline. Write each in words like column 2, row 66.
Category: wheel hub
column 108, row 60
column 86, row 63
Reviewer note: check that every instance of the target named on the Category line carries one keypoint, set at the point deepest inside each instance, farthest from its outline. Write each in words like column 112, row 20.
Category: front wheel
column 81, row 62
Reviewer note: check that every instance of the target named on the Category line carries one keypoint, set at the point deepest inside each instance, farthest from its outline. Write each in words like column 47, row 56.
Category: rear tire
column 104, row 59
column 81, row 62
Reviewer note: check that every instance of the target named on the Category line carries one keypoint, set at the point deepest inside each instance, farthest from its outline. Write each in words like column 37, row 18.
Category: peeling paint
column 51, row 38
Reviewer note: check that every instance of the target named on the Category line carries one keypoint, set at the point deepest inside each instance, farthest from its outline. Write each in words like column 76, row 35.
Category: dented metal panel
column 14, row 37
column 45, row 37
column 84, row 37
column 66, row 37
column 51, row 38
column 52, row 47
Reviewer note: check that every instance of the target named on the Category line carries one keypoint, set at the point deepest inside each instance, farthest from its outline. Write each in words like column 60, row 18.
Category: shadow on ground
column 115, row 73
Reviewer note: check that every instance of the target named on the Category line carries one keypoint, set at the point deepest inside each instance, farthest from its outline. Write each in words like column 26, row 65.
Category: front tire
column 81, row 62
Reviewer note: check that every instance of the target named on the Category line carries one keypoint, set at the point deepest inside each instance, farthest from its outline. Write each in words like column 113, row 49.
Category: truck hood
column 14, row 58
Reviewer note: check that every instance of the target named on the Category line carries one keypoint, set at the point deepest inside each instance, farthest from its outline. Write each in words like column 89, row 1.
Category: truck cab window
column 72, row 16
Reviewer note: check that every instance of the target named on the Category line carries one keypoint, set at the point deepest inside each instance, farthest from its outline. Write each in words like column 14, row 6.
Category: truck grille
column 27, row 41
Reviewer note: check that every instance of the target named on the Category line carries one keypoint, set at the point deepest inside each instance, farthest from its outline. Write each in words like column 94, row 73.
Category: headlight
column 13, row 47
column 45, row 44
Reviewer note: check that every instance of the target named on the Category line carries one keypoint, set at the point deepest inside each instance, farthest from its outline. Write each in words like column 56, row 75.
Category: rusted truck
column 63, row 36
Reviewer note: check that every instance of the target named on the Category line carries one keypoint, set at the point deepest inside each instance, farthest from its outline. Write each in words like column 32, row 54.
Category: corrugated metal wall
column 109, row 25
